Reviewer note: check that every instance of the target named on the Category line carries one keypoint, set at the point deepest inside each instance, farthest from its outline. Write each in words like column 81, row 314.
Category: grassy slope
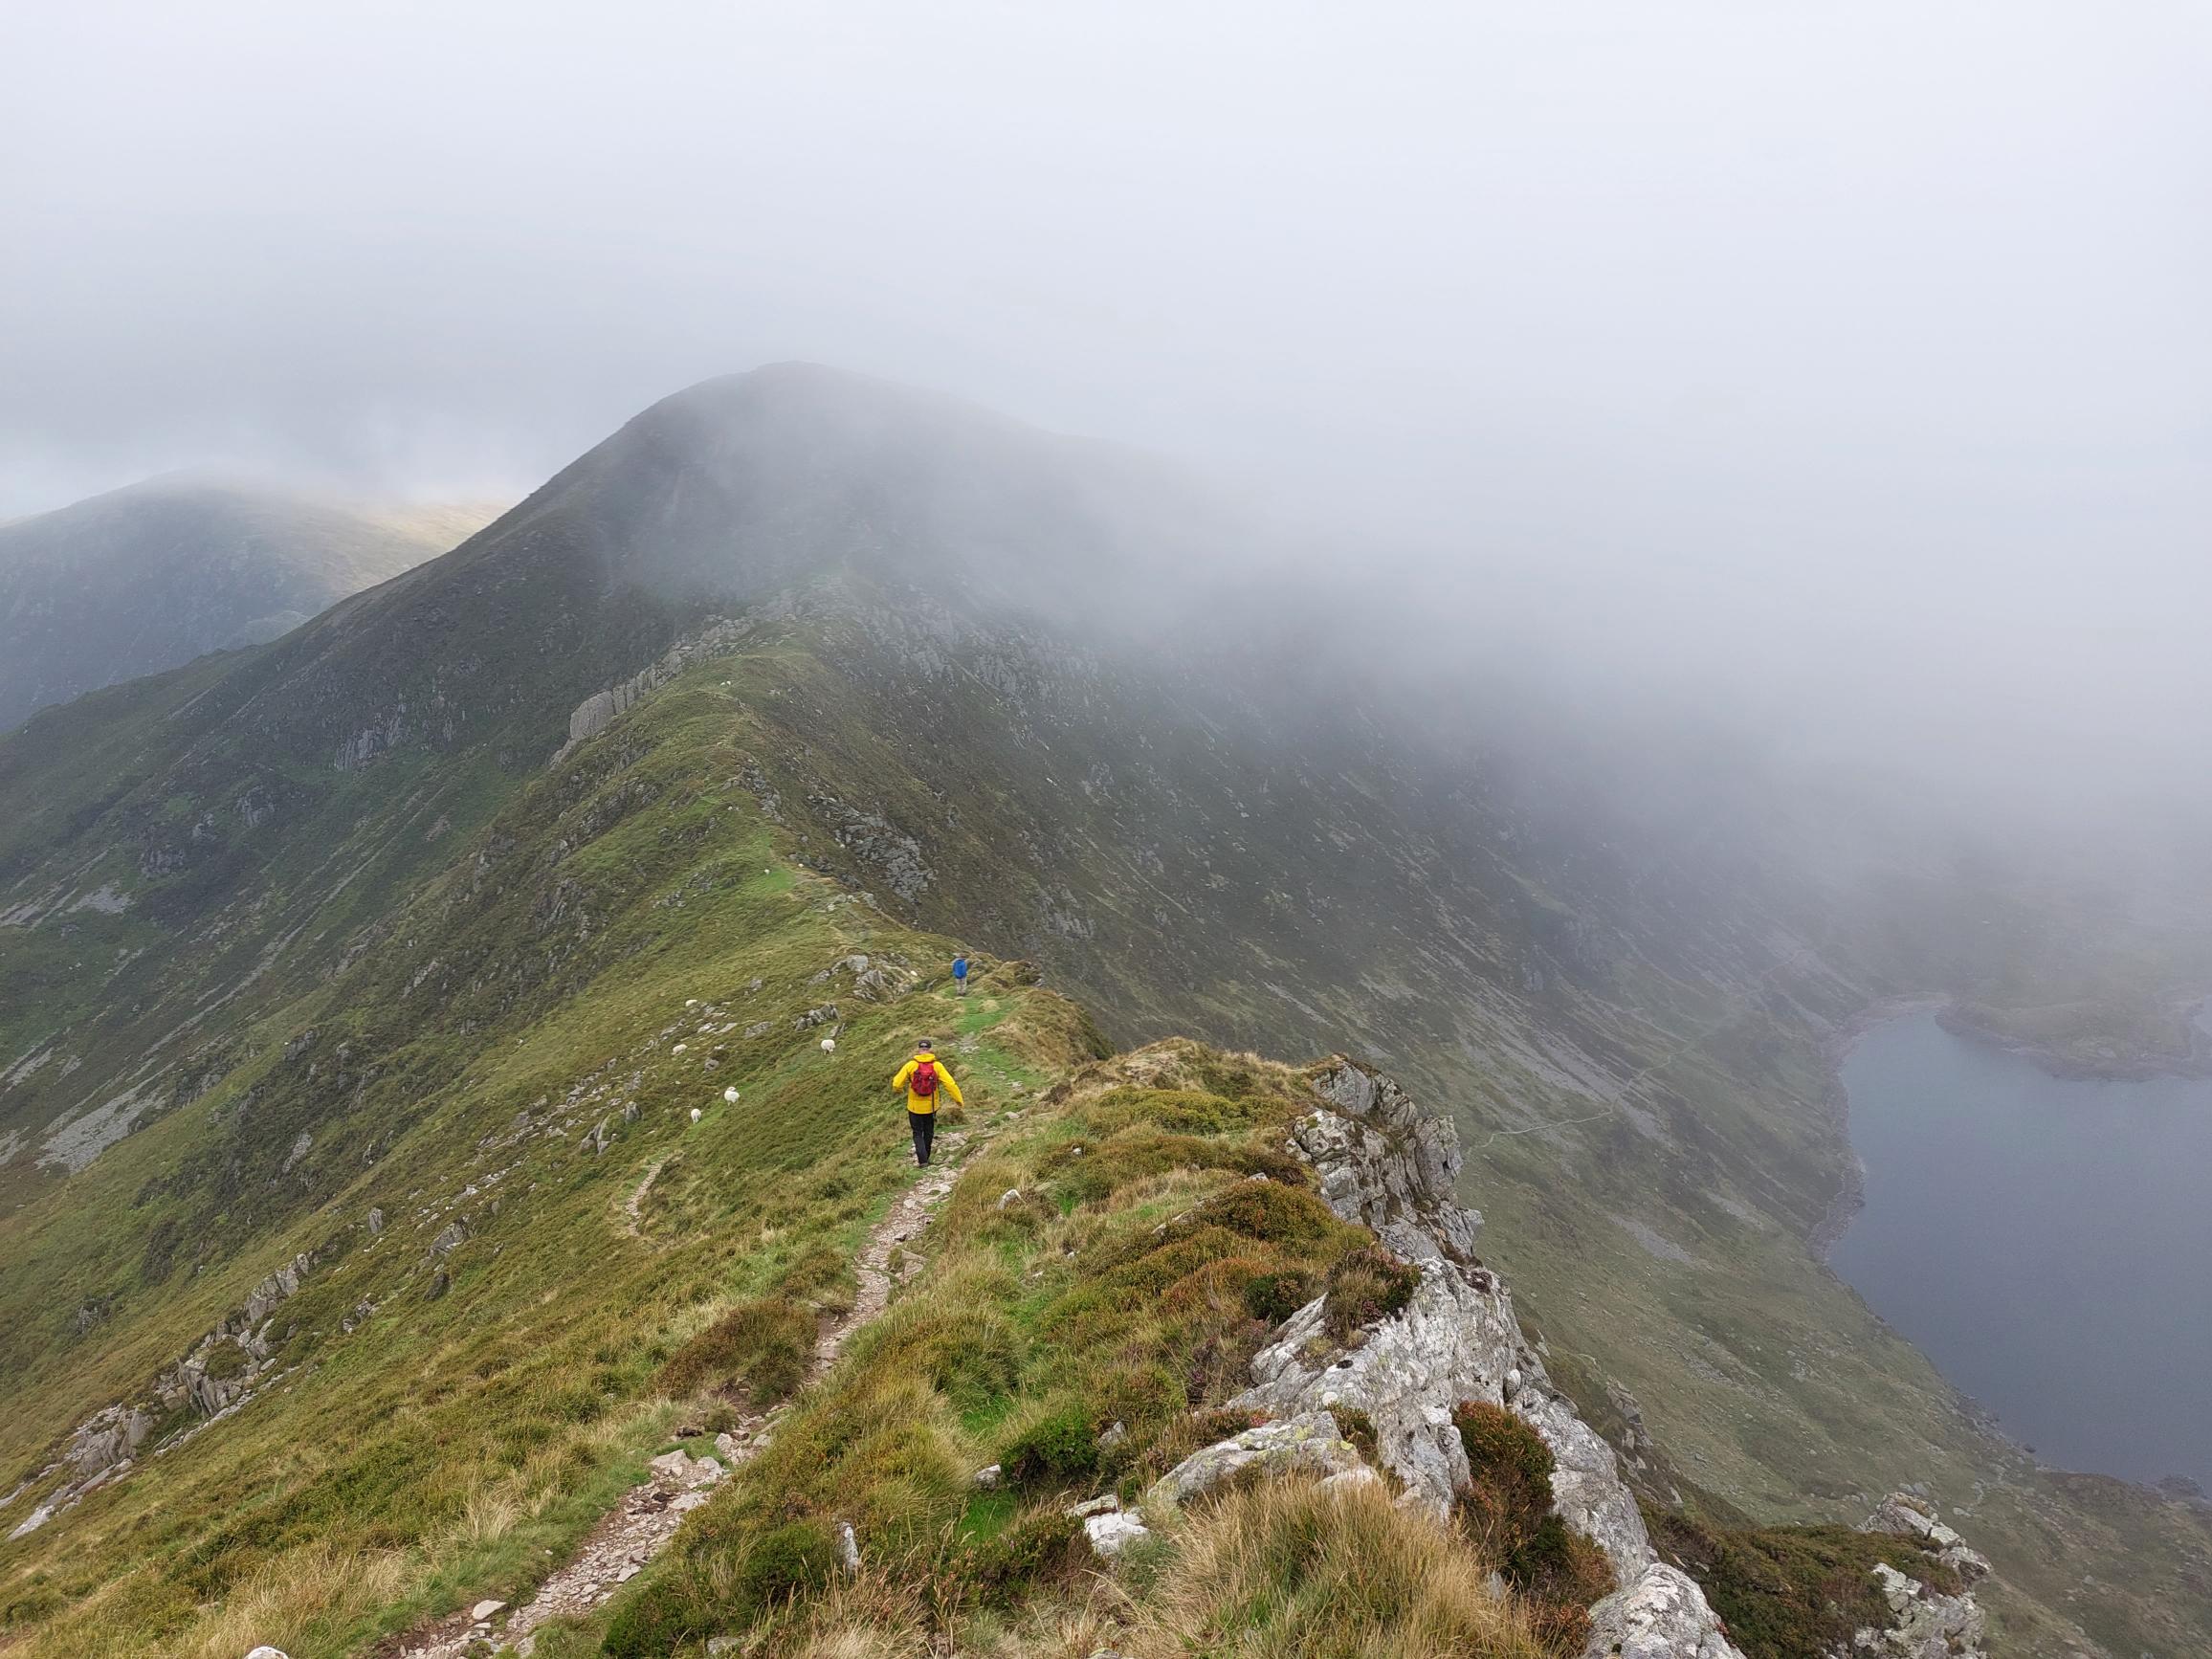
column 469, row 1431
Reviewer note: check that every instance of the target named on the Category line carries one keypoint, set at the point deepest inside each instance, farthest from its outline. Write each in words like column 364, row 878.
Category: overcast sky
column 1815, row 317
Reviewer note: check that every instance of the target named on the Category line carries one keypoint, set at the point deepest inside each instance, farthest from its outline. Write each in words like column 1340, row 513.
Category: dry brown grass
column 1285, row 1570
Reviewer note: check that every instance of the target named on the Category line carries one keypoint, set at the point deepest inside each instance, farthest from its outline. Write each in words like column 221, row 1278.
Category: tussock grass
column 1284, row 1570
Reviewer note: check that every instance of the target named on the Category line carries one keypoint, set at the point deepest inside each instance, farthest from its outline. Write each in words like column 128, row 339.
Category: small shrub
column 650, row 1623
column 1284, row 1568
column 1506, row 1506
column 1367, row 1285
column 1059, row 1449
column 1273, row 1297
column 1274, row 1211
column 785, row 1562
column 1358, row 1427
column 763, row 1344
column 1036, row 1547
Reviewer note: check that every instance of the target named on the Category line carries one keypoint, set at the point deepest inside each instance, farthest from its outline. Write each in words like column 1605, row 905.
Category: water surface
column 2048, row 1243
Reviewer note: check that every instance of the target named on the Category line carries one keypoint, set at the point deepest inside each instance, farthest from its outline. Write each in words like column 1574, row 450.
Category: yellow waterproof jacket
column 944, row 1084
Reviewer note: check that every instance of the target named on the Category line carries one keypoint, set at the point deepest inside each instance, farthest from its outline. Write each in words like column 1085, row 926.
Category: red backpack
column 923, row 1082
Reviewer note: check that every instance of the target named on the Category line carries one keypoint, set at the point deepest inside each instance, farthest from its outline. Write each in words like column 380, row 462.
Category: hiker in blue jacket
column 960, row 974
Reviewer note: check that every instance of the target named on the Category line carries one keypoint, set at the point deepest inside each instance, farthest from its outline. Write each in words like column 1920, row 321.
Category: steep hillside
column 561, row 1170
column 309, row 930
column 146, row 578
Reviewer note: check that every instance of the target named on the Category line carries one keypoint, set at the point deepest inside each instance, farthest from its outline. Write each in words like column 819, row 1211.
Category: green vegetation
column 758, row 1349
column 1120, row 1298
column 1368, row 1284
column 1506, row 1508
column 1794, row 1592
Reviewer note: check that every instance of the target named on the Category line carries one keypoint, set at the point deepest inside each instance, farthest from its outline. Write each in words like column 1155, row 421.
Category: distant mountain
column 150, row 577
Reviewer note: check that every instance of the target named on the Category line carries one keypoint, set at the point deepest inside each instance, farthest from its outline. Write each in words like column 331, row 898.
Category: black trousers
column 924, row 1127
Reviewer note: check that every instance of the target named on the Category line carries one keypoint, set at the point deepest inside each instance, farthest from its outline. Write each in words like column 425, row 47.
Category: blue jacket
column 960, row 967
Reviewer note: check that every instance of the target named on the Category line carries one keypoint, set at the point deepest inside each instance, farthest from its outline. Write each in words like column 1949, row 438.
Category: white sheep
column 729, row 1096
column 829, row 1045
column 694, row 1114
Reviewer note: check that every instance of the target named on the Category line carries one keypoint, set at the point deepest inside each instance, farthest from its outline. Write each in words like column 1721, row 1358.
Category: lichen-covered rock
column 1307, row 1441
column 1661, row 1615
column 1909, row 1516
column 1588, row 1491
column 1452, row 1341
column 1112, row 1533
column 1382, row 1161
column 1925, row 1624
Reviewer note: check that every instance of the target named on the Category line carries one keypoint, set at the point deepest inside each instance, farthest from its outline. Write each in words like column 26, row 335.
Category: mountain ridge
column 1627, row 1027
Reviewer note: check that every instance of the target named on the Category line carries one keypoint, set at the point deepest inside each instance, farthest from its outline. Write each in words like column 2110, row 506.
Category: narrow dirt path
column 639, row 1527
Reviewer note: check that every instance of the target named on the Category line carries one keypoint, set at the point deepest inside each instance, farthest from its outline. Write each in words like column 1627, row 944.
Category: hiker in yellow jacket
column 923, row 1077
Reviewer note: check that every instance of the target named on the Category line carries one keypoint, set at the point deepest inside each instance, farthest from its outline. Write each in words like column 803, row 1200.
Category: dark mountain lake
column 2048, row 1243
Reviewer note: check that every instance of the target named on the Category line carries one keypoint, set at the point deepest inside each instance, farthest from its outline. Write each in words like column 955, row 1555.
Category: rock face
column 1382, row 1160
column 1310, row 1441
column 1663, row 1615
column 1454, row 1341
column 1925, row 1623
column 596, row 712
column 217, row 1376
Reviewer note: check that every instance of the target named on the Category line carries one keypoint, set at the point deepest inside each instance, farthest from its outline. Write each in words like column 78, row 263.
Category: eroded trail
column 639, row 1527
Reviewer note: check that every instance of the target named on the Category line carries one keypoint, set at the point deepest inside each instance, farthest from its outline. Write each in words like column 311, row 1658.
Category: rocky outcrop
column 218, row 1375
column 1911, row 1517
column 1663, row 1615
column 1925, row 1624
column 596, row 712
column 1925, row 1621
column 1382, row 1160
column 1454, row 1341
column 1310, row 1441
